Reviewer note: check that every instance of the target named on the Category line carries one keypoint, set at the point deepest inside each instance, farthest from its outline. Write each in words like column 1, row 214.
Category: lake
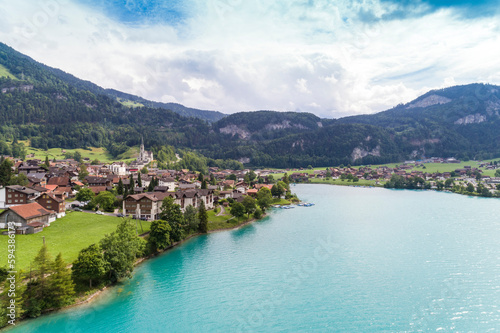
column 360, row 260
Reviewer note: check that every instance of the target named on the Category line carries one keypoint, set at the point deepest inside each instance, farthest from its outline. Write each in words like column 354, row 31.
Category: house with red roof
column 27, row 219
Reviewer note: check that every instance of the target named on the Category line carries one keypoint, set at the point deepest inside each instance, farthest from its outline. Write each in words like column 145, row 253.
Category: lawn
column 94, row 153
column 129, row 104
column 224, row 222
column 67, row 235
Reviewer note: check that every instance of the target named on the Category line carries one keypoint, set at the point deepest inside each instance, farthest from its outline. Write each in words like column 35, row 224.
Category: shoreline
column 87, row 300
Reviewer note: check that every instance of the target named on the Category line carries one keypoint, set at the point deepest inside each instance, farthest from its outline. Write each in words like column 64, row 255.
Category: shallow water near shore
column 360, row 260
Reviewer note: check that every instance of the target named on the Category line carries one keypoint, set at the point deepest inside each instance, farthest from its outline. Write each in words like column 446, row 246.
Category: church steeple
column 141, row 153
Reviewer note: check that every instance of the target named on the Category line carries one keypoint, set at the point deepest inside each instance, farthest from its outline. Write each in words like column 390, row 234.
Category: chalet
column 98, row 181
column 146, row 205
column 241, row 187
column 98, row 189
column 16, row 195
column 27, row 219
column 168, row 182
column 252, row 192
column 51, row 202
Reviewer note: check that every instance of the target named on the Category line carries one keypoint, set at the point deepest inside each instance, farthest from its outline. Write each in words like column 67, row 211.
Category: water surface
column 360, row 260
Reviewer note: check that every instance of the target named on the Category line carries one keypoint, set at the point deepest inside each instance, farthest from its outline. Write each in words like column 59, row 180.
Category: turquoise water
column 360, row 260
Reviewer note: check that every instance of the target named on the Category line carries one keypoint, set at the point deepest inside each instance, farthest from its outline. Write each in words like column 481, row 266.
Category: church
column 145, row 157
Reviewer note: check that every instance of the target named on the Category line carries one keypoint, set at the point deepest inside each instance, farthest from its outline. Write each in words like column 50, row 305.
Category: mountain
column 22, row 67
column 461, row 121
column 55, row 109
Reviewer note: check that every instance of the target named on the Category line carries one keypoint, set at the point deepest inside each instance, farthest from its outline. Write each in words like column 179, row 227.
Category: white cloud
column 249, row 55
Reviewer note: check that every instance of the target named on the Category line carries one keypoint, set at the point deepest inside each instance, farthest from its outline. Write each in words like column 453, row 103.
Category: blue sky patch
column 170, row 12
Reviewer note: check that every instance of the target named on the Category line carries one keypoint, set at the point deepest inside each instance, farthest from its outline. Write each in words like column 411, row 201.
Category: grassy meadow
column 67, row 235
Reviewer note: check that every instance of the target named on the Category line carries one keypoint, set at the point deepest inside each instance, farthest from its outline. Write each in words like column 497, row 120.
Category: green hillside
column 4, row 72
column 53, row 109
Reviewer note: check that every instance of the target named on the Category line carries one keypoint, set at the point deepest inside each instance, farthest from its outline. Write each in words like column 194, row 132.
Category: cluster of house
column 40, row 202
column 406, row 170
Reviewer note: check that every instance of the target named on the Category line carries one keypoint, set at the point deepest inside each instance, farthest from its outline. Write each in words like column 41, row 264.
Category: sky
column 330, row 58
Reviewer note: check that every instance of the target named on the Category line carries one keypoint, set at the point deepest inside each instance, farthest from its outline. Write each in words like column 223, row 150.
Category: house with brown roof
column 27, row 219
column 51, row 202
column 16, row 195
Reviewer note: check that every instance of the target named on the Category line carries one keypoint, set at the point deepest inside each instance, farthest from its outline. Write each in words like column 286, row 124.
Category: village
column 138, row 189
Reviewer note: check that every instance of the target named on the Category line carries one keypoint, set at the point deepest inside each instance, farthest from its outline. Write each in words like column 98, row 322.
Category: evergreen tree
column 125, row 192
column 9, row 294
column 200, row 177
column 119, row 189
column 47, row 163
column 37, row 296
column 204, row 185
column 5, row 171
column 203, row 218
column 151, row 186
column 131, row 185
column 139, row 180
column 60, row 284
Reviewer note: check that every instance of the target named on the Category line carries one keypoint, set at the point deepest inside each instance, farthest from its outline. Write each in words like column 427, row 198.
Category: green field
column 224, row 222
column 129, row 104
column 4, row 72
column 67, row 235
column 95, row 153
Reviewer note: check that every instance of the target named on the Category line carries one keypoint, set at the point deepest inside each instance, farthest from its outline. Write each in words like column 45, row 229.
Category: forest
column 52, row 109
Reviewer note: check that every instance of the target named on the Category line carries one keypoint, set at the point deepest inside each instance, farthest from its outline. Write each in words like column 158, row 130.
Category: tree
column 5, row 171
column 277, row 190
column 119, row 188
column 83, row 172
column 159, row 235
column 204, row 185
column 171, row 212
column 201, row 177
column 37, row 296
column 20, row 179
column 497, row 173
column 121, row 248
column 470, row 188
column 62, row 288
column 139, row 180
column 85, row 194
column 47, row 162
column 264, row 198
column 105, row 200
column 131, row 184
column 286, row 181
column 152, row 184
column 249, row 204
column 203, row 218
column 191, row 219
column 144, row 171
column 258, row 213
column 90, row 265
column 77, row 156
column 449, row 182
column 238, row 210
column 7, row 295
